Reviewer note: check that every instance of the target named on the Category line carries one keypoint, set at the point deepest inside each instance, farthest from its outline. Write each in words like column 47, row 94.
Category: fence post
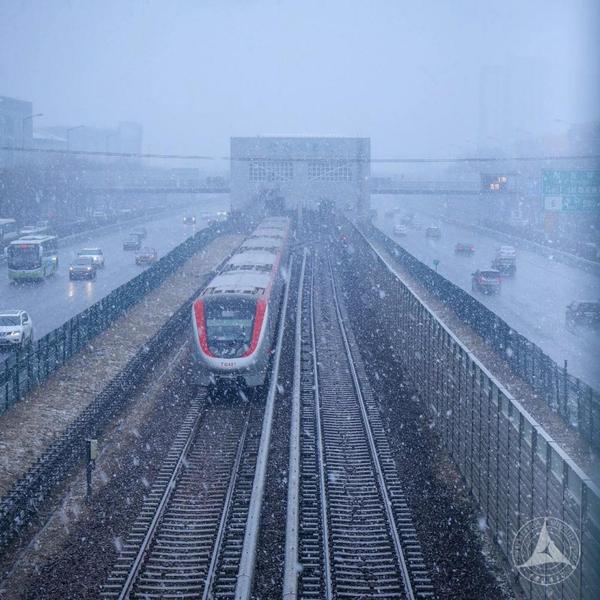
column 566, row 392
column 29, row 366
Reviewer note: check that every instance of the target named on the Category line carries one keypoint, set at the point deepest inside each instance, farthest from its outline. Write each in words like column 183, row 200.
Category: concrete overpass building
column 301, row 171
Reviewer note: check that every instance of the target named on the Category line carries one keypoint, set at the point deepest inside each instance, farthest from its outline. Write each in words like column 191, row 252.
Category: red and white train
column 235, row 316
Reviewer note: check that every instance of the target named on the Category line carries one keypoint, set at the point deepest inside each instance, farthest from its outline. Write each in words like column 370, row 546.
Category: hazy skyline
column 405, row 74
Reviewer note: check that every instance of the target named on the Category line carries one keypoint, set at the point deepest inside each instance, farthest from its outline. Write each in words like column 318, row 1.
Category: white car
column 400, row 229
column 94, row 253
column 16, row 328
column 506, row 252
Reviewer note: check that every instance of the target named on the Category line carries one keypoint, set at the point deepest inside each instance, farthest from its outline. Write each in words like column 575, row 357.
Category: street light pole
column 23, row 126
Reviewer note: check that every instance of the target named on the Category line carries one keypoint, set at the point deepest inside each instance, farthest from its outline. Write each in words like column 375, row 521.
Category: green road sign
column 571, row 191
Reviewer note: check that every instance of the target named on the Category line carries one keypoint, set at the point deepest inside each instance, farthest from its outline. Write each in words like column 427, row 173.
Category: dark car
column 486, row 281
column 132, row 243
column 83, row 267
column 189, row 220
column 146, row 256
column 464, row 248
column 433, row 231
column 505, row 260
column 583, row 313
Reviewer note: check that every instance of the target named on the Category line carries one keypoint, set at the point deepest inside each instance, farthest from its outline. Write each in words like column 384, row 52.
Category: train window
column 229, row 323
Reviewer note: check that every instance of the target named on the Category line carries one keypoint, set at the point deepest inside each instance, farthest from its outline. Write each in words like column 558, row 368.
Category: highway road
column 56, row 299
column 533, row 302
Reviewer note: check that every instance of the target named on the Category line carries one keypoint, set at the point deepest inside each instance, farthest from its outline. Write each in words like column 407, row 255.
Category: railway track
column 348, row 523
column 196, row 534
column 174, row 548
column 349, row 526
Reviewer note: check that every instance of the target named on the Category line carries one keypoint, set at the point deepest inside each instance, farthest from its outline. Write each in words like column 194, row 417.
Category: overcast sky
column 196, row 72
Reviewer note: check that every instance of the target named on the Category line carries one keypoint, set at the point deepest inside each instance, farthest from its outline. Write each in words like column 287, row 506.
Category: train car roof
column 276, row 224
column 279, row 221
column 261, row 236
column 256, row 257
column 269, row 232
column 262, row 242
column 238, row 282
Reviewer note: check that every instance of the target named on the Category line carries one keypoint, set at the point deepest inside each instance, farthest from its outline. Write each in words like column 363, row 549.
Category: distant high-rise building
column 125, row 138
column 493, row 107
column 528, row 91
column 513, row 100
column 15, row 128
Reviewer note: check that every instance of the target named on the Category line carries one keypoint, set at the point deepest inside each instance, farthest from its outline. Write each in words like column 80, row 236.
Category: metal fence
column 23, row 370
column 574, row 400
column 512, row 467
column 26, row 498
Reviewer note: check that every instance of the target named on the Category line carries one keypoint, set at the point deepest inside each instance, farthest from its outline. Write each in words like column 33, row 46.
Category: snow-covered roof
column 238, row 282
column 255, row 257
column 262, row 242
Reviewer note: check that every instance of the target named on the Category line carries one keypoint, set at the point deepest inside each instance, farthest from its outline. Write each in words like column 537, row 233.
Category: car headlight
column 14, row 333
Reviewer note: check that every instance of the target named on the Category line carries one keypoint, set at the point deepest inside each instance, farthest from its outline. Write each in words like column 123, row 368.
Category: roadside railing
column 515, row 471
column 25, row 499
column 575, row 401
column 24, row 369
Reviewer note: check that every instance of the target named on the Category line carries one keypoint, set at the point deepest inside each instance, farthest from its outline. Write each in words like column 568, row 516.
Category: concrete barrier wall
column 514, row 470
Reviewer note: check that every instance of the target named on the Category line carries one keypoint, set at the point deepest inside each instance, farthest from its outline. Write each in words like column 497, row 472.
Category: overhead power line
column 399, row 160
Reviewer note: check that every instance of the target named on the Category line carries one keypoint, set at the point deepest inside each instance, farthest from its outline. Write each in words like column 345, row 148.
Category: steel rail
column 393, row 530
column 214, row 561
column 243, row 589
column 327, row 576
column 140, row 583
column 290, row 572
column 139, row 559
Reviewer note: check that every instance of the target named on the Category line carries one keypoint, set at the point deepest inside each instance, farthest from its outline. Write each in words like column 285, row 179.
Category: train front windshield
column 229, row 323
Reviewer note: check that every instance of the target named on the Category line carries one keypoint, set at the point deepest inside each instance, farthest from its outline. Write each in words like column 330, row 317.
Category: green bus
column 32, row 257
